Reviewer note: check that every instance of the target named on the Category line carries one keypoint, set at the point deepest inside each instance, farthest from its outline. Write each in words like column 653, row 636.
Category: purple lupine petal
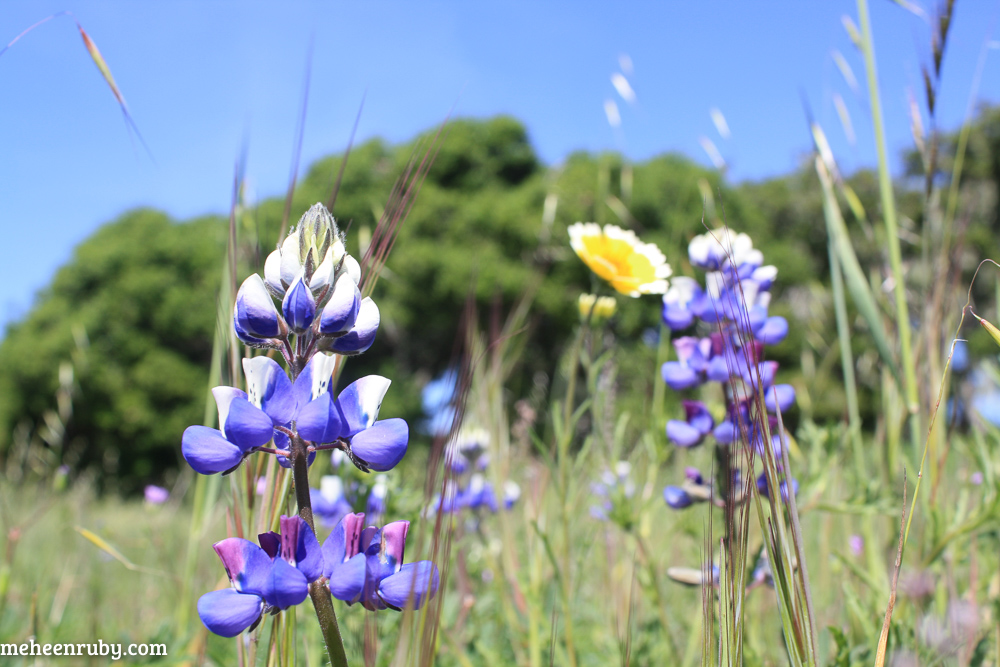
column 341, row 311
column 375, row 571
column 247, row 426
column 319, row 421
column 227, row 613
column 302, row 388
column 360, row 336
column 360, row 402
column 299, row 306
column 415, row 583
column 347, row 579
column 677, row 317
column 772, row 331
column 247, row 565
column 694, row 475
column 678, row 376
column 286, row 587
column 717, row 369
column 394, row 537
column 270, row 543
column 244, row 335
column 726, row 432
column 269, row 388
column 676, row 497
column 683, row 434
column 765, row 276
column 255, row 310
column 785, row 397
column 698, row 416
column 757, row 318
column 224, row 396
column 343, row 543
column 383, row 445
column 762, row 376
column 207, row 451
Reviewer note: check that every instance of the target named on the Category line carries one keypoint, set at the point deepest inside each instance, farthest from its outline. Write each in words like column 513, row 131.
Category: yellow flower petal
column 619, row 257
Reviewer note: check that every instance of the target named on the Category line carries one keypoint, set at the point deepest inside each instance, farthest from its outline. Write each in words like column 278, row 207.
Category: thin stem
column 320, row 594
column 891, row 228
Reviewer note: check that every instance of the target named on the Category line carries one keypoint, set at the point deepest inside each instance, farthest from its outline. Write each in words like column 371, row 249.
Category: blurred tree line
column 133, row 313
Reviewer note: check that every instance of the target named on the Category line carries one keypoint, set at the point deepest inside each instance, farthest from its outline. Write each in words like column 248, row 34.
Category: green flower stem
column 320, row 594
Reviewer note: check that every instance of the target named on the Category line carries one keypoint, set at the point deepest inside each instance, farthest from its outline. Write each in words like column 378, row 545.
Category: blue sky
column 202, row 77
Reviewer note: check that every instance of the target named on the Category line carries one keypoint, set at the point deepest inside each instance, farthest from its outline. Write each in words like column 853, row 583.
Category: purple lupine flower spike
column 693, row 430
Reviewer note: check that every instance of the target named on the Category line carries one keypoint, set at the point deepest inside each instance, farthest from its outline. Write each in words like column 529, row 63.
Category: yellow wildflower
column 603, row 307
column 618, row 256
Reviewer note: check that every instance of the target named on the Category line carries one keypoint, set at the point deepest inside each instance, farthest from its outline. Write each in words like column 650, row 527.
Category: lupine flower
column 366, row 566
column 317, row 283
column 694, row 428
column 271, row 577
column 597, row 309
column 677, row 302
column 722, row 247
column 856, row 544
column 764, row 489
column 155, row 495
column 614, row 489
column 676, row 497
column 619, row 257
column 249, row 420
column 692, row 360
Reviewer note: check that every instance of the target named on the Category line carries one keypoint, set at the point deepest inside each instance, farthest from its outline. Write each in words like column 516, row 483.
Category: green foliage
column 142, row 291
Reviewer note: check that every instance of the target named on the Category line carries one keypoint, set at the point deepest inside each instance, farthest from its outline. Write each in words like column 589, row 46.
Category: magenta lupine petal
column 341, row 311
column 207, row 451
column 247, row 426
column 414, row 583
column 247, row 565
column 270, row 389
column 360, row 402
column 344, row 541
column 227, row 613
column 383, row 445
column 299, row 544
column 286, row 587
column 394, row 538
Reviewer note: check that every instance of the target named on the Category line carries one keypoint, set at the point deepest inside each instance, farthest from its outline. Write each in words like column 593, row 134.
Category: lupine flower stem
column 320, row 594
